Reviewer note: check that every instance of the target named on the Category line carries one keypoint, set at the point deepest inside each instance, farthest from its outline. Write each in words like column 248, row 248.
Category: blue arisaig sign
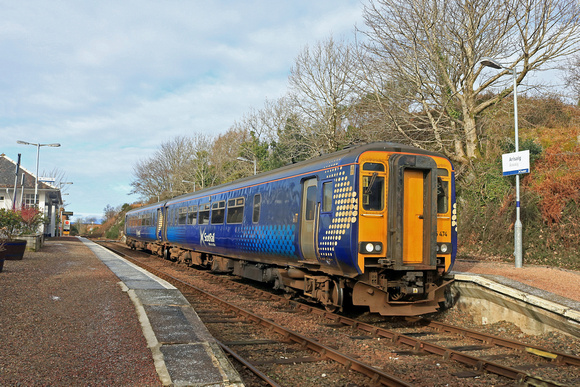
column 516, row 163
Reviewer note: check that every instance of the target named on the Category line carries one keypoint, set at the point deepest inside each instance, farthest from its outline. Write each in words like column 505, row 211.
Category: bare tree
column 421, row 62
column 60, row 178
column 573, row 77
column 321, row 86
column 225, row 150
column 276, row 135
column 162, row 175
column 110, row 212
column 199, row 171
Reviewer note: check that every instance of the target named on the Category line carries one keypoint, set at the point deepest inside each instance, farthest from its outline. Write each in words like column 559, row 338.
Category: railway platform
column 67, row 305
column 538, row 299
column 77, row 314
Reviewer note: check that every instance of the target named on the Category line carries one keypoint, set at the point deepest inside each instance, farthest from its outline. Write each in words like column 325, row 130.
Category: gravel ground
column 65, row 321
column 565, row 283
column 417, row 368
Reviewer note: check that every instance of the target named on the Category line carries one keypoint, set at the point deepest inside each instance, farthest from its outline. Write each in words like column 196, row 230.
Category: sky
column 112, row 80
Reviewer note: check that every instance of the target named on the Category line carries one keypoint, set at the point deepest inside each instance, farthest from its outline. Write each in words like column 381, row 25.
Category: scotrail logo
column 206, row 239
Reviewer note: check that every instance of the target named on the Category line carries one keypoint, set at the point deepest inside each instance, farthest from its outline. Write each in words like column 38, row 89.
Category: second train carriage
column 375, row 224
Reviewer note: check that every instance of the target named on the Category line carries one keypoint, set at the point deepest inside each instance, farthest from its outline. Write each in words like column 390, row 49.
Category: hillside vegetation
column 549, row 194
column 550, row 130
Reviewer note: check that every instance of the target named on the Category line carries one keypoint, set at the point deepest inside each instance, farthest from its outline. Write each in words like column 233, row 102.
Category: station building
column 18, row 191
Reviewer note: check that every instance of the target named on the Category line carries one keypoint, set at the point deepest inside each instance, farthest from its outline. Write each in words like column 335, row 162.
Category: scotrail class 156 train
column 371, row 225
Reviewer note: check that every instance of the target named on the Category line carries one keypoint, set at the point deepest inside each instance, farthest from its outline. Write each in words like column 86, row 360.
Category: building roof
column 7, row 175
column 7, row 171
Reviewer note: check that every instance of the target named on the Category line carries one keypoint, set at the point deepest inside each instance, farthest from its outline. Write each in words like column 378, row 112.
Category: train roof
column 345, row 156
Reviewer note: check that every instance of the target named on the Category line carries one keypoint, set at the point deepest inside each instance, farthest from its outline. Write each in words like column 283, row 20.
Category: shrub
column 10, row 224
column 32, row 218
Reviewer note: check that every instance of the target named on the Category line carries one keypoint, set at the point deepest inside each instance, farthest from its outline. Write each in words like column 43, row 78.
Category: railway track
column 252, row 324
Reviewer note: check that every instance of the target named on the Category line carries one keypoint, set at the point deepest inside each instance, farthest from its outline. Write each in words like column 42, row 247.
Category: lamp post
column 490, row 62
column 37, row 158
column 249, row 161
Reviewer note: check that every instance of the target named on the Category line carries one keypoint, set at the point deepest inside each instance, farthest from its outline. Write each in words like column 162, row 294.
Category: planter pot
column 13, row 250
column 34, row 242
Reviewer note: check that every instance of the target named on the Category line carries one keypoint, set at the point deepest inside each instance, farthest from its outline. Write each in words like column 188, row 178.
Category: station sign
column 516, row 163
column 67, row 213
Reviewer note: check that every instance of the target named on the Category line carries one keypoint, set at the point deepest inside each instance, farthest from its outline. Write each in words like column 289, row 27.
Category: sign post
column 516, row 163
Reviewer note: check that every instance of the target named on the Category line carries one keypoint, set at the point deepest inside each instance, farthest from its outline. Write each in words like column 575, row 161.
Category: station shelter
column 18, row 191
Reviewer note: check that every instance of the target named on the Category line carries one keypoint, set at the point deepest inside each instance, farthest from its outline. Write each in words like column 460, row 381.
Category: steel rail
column 376, row 376
column 446, row 353
column 248, row 365
column 559, row 357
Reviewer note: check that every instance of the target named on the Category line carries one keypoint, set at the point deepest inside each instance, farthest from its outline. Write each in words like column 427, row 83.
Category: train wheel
column 336, row 297
column 331, row 308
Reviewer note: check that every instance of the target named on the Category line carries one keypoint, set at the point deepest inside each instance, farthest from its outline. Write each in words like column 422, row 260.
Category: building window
column 29, row 200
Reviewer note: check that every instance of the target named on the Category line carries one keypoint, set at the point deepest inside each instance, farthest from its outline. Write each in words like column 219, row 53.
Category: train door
column 412, row 239
column 159, row 229
column 309, row 219
column 413, row 216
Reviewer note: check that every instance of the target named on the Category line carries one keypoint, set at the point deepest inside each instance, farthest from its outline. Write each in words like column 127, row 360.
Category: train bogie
column 375, row 224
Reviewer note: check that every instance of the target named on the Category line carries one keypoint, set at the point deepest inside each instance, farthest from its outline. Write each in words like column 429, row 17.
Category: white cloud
column 113, row 80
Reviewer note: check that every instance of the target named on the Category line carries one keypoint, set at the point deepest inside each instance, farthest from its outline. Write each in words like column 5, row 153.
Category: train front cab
column 405, row 232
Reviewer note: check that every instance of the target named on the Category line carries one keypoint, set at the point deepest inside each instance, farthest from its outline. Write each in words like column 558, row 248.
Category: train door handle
column 420, row 216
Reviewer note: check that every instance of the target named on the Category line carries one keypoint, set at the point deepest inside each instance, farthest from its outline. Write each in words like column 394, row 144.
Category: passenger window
column 327, row 197
column 376, row 167
column 311, row 202
column 192, row 215
column 236, row 210
column 182, row 217
column 373, row 192
column 256, row 209
column 204, row 214
column 442, row 196
column 217, row 212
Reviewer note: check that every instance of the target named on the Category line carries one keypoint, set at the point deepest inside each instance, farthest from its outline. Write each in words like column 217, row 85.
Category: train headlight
column 371, row 248
column 442, row 248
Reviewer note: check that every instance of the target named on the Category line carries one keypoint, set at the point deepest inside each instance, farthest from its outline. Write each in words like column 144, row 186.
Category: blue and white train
column 371, row 225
